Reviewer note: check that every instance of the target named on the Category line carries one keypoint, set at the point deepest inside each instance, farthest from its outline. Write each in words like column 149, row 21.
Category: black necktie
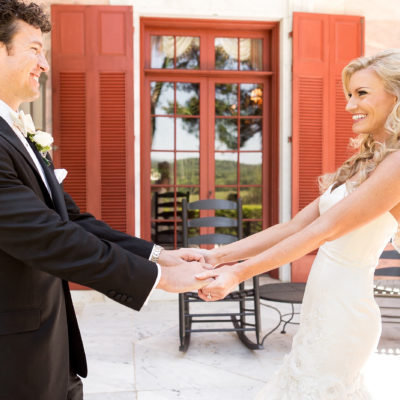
column 58, row 197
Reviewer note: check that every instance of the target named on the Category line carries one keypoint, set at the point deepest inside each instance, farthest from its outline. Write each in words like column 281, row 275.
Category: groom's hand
column 181, row 278
column 172, row 258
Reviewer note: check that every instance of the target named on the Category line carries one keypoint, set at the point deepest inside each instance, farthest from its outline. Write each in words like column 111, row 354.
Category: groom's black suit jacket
column 44, row 242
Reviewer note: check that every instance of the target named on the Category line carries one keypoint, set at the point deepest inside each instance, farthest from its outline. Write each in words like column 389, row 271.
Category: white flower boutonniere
column 41, row 140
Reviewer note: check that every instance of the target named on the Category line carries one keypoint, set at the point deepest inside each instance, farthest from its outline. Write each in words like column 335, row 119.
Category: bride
column 351, row 223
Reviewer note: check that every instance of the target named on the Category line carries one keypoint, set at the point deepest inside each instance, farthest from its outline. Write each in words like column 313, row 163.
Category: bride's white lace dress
column 340, row 322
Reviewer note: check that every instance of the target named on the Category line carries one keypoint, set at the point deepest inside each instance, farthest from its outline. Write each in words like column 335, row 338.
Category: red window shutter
column 322, row 45
column 92, row 69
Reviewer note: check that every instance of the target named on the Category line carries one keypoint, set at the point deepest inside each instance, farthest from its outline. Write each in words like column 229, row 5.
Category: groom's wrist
column 155, row 253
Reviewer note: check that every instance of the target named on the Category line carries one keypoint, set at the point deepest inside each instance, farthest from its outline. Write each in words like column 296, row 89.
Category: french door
column 207, row 130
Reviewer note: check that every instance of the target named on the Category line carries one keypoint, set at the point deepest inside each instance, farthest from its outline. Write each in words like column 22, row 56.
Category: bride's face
column 369, row 103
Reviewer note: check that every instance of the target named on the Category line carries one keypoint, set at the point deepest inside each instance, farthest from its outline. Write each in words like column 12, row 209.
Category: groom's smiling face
column 21, row 64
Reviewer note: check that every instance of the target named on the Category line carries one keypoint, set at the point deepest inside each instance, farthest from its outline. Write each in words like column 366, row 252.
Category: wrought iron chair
column 192, row 221
column 389, row 288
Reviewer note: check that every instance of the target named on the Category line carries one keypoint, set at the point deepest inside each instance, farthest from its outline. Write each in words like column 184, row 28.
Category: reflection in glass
column 251, row 54
column 225, row 193
column 164, row 210
column 162, row 52
column 163, row 202
column 187, row 52
column 251, row 99
column 162, row 135
column 251, row 200
column 226, row 99
column 187, row 98
column 163, row 233
column 226, row 134
column 226, row 168
column 162, row 168
column 250, row 168
column 250, row 227
column 251, row 134
column 187, row 168
column 226, row 53
column 188, row 134
column 162, row 98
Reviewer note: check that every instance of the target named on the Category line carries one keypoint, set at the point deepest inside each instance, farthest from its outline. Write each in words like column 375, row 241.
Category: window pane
column 251, row 54
column 162, row 98
column 226, row 194
column 251, row 99
column 188, row 134
column 226, row 134
column 162, row 168
column 226, row 99
column 250, row 168
column 162, row 52
column 162, row 137
column 226, row 53
column 225, row 168
column 187, row 168
column 187, row 98
column 187, row 52
column 251, row 200
column 251, row 134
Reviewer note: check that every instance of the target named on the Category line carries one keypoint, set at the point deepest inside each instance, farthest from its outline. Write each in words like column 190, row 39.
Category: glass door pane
column 175, row 156
column 238, row 148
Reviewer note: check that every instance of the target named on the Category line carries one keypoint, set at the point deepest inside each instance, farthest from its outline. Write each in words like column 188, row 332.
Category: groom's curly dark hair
column 13, row 10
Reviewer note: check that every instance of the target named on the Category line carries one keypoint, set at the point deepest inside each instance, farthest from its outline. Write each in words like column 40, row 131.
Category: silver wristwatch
column 155, row 253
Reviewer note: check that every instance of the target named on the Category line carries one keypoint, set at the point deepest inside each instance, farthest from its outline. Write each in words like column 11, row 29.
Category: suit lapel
column 7, row 132
column 58, row 198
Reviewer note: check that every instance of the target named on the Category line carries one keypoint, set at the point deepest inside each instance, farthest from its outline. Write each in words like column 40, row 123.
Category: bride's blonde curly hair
column 386, row 65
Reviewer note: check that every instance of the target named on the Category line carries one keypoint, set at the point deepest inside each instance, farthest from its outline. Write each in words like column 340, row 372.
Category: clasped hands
column 188, row 270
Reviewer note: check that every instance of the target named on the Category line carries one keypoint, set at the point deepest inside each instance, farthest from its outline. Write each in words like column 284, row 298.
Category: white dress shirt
column 7, row 113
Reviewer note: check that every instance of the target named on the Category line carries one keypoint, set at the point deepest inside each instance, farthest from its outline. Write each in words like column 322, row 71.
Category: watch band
column 155, row 253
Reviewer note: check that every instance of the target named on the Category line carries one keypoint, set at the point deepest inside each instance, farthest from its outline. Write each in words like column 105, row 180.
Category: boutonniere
column 41, row 140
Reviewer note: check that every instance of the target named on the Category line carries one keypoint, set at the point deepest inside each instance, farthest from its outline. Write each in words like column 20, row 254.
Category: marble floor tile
column 108, row 377
column 135, row 356
column 111, row 396
column 158, row 370
column 241, row 393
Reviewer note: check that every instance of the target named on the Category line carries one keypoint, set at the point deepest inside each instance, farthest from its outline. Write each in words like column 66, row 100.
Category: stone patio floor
column 134, row 355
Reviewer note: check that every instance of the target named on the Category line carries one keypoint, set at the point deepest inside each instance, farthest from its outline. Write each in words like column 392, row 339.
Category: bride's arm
column 260, row 241
column 380, row 193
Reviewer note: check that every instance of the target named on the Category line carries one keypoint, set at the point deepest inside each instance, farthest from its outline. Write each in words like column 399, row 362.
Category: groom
column 45, row 241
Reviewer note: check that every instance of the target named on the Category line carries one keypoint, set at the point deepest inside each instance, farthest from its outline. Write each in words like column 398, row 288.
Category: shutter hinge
column 290, row 139
column 290, row 34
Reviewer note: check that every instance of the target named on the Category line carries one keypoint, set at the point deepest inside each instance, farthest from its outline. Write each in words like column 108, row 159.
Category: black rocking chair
column 231, row 222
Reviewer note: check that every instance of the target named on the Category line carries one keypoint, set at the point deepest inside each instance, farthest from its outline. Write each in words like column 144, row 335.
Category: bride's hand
column 225, row 281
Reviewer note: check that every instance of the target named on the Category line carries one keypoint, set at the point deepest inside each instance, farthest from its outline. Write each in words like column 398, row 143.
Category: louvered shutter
column 322, row 45
column 92, row 69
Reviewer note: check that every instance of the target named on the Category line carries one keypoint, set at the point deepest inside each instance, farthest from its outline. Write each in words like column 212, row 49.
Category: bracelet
column 155, row 254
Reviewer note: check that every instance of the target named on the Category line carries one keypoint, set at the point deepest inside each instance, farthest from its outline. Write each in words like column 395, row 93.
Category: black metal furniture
column 230, row 220
column 389, row 288
column 168, row 208
column 291, row 293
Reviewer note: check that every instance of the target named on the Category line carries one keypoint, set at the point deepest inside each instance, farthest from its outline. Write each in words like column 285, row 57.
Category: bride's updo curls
column 386, row 65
